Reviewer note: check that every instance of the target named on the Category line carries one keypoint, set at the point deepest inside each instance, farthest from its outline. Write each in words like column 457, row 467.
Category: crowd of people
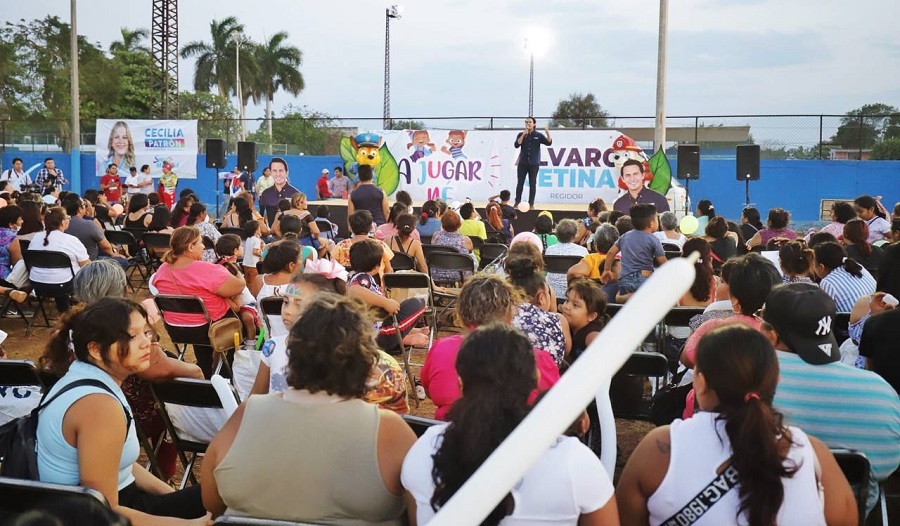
column 773, row 388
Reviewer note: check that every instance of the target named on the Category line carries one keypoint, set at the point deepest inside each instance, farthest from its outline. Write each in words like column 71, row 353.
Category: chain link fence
column 780, row 136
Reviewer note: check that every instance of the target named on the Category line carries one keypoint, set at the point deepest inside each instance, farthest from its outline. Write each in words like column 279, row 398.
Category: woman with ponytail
column 738, row 449
column 567, row 484
column 841, row 277
column 856, row 235
column 705, row 213
column 537, row 316
column 87, row 435
column 703, row 290
column 499, row 223
column 796, row 261
column 57, row 282
column 429, row 220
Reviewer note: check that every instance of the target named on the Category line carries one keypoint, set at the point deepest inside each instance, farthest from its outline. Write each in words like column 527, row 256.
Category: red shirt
column 441, row 381
column 113, row 195
column 322, row 184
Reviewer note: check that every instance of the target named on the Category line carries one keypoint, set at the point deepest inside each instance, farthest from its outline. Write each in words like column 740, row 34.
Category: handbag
column 18, row 438
column 669, row 402
column 224, row 334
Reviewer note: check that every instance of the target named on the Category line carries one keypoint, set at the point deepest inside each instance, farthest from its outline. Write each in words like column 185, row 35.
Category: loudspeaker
column 215, row 153
column 247, row 156
column 688, row 161
column 748, row 162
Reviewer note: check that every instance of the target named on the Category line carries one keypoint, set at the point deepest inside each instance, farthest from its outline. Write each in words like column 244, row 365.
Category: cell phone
column 889, row 299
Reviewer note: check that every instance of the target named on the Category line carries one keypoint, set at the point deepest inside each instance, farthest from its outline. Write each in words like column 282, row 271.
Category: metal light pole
column 236, row 37
column 530, row 81
column 75, row 171
column 391, row 12
column 659, row 133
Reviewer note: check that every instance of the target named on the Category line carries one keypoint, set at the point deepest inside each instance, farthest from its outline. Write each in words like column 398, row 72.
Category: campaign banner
column 135, row 143
column 579, row 165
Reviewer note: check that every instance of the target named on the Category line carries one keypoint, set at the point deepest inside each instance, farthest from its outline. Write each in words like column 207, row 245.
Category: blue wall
column 304, row 171
column 798, row 186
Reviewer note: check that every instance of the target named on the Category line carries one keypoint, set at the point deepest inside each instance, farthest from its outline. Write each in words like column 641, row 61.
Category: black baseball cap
column 802, row 314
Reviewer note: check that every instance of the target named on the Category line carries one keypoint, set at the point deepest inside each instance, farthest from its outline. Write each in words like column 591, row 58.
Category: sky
column 466, row 58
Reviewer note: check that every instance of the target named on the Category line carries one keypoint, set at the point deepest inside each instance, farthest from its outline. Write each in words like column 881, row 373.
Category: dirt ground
column 628, row 432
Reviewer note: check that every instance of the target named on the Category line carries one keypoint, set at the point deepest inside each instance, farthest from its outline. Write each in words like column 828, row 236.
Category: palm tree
column 131, row 41
column 279, row 65
column 215, row 64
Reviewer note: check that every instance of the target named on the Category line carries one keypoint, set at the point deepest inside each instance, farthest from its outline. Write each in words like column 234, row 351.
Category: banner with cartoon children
column 154, row 143
column 454, row 165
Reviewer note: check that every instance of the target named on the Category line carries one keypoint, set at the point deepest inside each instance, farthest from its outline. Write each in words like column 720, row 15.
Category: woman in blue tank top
column 86, row 436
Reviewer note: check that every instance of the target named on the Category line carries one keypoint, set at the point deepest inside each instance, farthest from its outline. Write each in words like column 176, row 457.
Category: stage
column 524, row 221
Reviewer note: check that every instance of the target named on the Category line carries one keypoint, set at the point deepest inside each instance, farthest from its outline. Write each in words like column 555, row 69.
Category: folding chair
column 560, row 264
column 613, row 308
column 194, row 335
column 44, row 259
column 252, row 521
column 325, row 228
column 676, row 317
column 188, row 392
column 428, row 249
column 121, row 238
column 156, row 244
column 420, row 424
column 460, row 266
column 270, row 306
column 856, row 468
column 18, row 496
column 425, row 240
column 414, row 280
column 640, row 364
column 232, row 230
column 476, row 242
column 403, row 261
column 208, row 243
column 671, row 247
column 20, row 373
column 490, row 252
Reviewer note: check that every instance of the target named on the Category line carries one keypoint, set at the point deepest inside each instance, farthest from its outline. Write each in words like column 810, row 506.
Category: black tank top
column 369, row 197
column 138, row 223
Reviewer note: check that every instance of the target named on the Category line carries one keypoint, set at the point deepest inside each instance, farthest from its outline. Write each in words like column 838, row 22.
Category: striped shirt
column 844, row 407
column 845, row 288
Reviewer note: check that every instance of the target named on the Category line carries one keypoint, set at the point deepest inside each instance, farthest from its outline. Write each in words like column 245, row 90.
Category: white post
column 75, row 171
column 659, row 134
column 237, row 61
column 565, row 401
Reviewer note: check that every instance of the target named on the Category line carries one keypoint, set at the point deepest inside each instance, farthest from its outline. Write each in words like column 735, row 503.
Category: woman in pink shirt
column 483, row 299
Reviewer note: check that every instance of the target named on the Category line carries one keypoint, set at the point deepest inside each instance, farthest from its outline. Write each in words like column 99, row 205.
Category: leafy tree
column 215, row 64
column 407, row 125
column 278, row 68
column 579, row 111
column 12, row 87
column 131, row 41
column 217, row 118
column 865, row 126
column 303, row 131
column 888, row 149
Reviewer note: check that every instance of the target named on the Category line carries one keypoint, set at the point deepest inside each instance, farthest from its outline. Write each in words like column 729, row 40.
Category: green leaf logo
column 348, row 155
column 662, row 172
column 388, row 174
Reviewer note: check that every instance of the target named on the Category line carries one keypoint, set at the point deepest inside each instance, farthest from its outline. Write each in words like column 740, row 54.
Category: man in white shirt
column 139, row 182
column 16, row 176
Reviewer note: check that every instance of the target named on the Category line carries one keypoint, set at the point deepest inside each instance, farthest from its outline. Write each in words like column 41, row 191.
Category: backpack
column 18, row 438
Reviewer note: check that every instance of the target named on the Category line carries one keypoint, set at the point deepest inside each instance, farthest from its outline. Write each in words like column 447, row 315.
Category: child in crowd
column 387, row 386
column 585, row 310
column 508, row 211
column 322, row 212
column 639, row 248
column 290, row 230
column 253, row 247
column 403, row 197
column 366, row 258
column 229, row 248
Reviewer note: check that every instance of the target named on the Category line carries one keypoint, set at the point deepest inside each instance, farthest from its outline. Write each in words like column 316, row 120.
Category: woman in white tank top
column 734, row 462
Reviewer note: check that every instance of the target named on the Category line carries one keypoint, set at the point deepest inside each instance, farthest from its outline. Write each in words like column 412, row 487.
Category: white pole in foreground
column 575, row 390
column 659, row 134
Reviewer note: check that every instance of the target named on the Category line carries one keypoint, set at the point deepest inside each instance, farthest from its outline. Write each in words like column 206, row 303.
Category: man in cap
column 843, row 406
column 322, row 186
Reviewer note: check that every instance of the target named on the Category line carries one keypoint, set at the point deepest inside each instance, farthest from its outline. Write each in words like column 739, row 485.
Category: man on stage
column 530, row 142
column 633, row 177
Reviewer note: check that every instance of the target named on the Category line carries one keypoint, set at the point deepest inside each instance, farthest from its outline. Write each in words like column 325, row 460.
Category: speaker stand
column 216, row 179
column 747, row 192
column 687, row 196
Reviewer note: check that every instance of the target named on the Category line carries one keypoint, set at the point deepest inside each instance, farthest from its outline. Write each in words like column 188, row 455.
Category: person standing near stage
column 530, row 142
column 633, row 176
column 50, row 176
column 281, row 189
column 339, row 186
column 111, row 184
column 17, row 177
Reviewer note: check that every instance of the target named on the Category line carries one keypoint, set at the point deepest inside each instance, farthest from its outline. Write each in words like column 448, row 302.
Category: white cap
column 325, row 171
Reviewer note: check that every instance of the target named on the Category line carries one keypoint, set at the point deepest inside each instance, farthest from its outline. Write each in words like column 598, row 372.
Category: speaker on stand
column 247, row 156
column 688, row 169
column 747, row 166
column 215, row 159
